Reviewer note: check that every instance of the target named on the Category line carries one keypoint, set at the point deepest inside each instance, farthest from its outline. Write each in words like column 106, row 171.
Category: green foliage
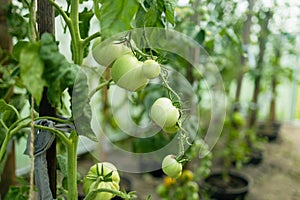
column 18, row 192
column 59, row 74
column 116, row 16
column 150, row 13
column 41, row 65
column 81, row 109
column 16, row 21
column 32, row 69
column 84, row 26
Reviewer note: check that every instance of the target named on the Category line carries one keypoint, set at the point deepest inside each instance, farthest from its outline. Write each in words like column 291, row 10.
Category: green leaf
column 148, row 18
column 97, row 9
column 84, row 26
column 170, row 10
column 116, row 16
column 17, row 23
column 32, row 69
column 17, row 192
column 18, row 48
column 200, row 37
column 81, row 108
column 58, row 73
column 232, row 35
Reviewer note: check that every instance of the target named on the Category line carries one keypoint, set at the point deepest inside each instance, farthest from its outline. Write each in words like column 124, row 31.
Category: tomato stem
column 99, row 87
column 72, row 166
column 165, row 82
column 90, row 38
column 62, row 13
column 123, row 195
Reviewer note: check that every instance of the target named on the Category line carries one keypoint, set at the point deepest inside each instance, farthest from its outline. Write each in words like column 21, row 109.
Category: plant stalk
column 72, row 166
column 77, row 42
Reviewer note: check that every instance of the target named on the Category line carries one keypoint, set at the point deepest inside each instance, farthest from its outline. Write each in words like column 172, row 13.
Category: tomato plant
column 40, row 64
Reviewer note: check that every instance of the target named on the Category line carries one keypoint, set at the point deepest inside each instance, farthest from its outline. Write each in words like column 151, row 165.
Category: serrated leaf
column 170, row 10
column 81, row 108
column 84, row 26
column 17, row 24
column 32, row 69
column 116, row 16
column 147, row 18
column 58, row 73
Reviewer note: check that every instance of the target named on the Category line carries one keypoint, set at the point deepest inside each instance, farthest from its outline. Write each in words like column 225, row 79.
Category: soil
column 277, row 177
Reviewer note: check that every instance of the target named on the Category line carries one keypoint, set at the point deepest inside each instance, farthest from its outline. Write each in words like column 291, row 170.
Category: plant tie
column 43, row 139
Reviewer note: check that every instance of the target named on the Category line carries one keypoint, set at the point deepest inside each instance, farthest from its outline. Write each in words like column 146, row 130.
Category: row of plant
column 142, row 61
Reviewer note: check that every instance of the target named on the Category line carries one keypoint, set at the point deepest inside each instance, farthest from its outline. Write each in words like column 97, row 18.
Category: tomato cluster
column 127, row 71
column 182, row 188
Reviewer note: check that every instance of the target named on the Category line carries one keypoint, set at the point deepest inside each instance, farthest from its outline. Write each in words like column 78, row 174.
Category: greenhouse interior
column 149, row 99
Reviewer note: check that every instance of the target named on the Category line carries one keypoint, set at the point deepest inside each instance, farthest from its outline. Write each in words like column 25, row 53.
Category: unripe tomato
column 162, row 191
column 164, row 114
column 96, row 171
column 151, row 69
column 127, row 73
column 104, row 195
column 238, row 119
column 187, row 175
column 106, row 55
column 171, row 167
column 192, row 186
column 193, row 196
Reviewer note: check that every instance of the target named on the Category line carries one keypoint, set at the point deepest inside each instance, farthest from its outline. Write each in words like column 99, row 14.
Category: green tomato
column 106, row 55
column 179, row 193
column 171, row 167
column 151, row 69
column 192, row 186
column 164, row 114
column 96, row 171
column 238, row 119
column 193, row 196
column 162, row 190
column 104, row 195
column 187, row 175
column 127, row 73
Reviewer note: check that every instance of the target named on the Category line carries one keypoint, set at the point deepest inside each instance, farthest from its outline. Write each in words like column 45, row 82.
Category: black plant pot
column 268, row 130
column 157, row 173
column 236, row 188
column 256, row 157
